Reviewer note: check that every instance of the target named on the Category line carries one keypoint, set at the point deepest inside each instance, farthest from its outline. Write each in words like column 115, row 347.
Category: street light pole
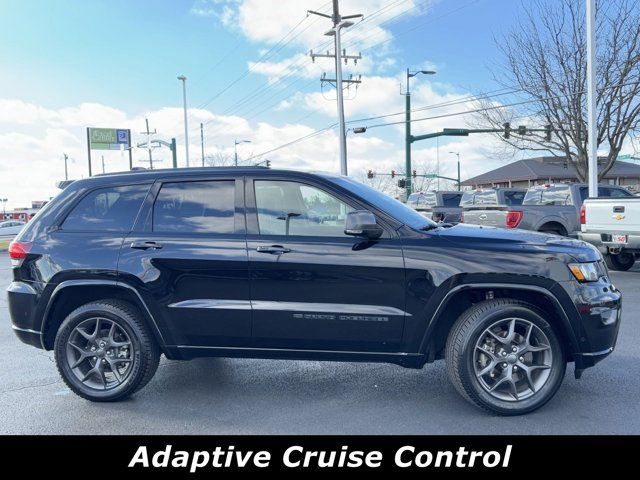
column 183, row 79
column 66, row 172
column 407, row 129
column 457, row 154
column 235, row 150
column 591, row 98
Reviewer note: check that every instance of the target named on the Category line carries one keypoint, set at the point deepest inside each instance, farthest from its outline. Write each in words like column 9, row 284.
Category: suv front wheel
column 105, row 352
column 505, row 357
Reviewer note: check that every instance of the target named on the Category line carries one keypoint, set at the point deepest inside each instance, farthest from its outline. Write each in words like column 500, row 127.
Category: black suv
column 254, row 262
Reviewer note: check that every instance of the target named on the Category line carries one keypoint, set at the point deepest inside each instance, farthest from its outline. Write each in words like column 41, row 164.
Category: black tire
column 554, row 231
column 461, row 354
column 620, row 262
column 143, row 353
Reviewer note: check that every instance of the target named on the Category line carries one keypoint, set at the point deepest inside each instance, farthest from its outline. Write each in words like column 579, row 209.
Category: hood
column 524, row 239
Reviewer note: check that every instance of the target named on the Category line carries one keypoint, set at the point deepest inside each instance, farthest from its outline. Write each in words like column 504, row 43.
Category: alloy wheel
column 100, row 353
column 512, row 359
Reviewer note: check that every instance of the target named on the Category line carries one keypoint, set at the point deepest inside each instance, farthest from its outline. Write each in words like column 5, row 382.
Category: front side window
column 292, row 208
column 112, row 209
column 195, row 207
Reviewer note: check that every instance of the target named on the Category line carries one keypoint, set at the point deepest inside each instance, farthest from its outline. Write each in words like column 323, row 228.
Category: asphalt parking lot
column 230, row 396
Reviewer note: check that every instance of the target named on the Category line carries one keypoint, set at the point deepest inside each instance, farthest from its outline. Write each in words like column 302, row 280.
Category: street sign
column 108, row 138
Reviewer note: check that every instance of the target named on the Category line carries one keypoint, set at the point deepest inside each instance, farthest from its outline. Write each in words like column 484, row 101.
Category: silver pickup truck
column 490, row 207
column 549, row 208
column 613, row 226
column 439, row 206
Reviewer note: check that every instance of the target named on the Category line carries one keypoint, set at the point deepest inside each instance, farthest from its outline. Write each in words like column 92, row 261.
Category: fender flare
column 566, row 325
column 553, row 219
column 109, row 283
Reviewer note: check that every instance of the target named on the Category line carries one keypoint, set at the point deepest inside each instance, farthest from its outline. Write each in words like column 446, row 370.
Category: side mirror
column 362, row 223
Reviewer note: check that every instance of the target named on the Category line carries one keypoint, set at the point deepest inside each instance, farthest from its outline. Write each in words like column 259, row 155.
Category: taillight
column 18, row 252
column 513, row 218
column 583, row 215
column 461, row 217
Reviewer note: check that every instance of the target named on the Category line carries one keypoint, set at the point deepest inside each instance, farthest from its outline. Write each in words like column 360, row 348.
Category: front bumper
column 602, row 241
column 599, row 313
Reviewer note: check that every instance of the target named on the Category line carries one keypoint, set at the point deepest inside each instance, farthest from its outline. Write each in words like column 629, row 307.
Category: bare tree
column 545, row 61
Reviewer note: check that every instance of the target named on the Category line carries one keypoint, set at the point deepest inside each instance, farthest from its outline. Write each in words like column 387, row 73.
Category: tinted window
column 514, row 198
column 291, row 208
column 613, row 192
column 111, row 209
column 451, row 199
column 554, row 195
column 195, row 207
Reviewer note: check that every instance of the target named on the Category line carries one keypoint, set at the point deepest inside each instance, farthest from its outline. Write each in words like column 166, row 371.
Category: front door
column 190, row 260
column 312, row 286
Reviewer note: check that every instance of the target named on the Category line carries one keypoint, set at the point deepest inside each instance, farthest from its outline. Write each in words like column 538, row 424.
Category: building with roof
column 541, row 170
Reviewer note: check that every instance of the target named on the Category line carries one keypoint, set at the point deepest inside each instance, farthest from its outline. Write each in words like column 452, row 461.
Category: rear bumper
column 602, row 241
column 22, row 299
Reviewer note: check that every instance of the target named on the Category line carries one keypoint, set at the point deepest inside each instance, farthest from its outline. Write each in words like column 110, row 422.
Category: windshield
column 553, row 195
column 391, row 206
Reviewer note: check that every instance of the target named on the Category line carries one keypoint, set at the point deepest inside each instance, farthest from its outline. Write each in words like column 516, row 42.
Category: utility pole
column 457, row 154
column 202, row 141
column 591, row 98
column 148, row 133
column 183, row 79
column 408, row 138
column 339, row 22
column 66, row 171
column 235, row 150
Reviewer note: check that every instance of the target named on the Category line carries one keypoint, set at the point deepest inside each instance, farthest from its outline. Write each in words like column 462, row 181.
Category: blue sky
column 70, row 63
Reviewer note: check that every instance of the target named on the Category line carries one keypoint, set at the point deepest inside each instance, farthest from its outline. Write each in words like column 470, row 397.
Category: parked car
column 234, row 262
column 613, row 226
column 489, row 207
column 11, row 227
column 439, row 206
column 549, row 208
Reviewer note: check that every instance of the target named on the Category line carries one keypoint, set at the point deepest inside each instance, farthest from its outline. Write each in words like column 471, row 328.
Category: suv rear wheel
column 105, row 352
column 505, row 357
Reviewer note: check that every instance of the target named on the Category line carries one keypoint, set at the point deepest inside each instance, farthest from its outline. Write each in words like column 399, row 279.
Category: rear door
column 312, row 286
column 188, row 258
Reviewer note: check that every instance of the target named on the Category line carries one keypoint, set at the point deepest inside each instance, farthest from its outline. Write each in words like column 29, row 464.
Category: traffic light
column 370, row 174
column 415, row 173
column 522, row 130
column 507, row 129
column 393, row 174
column 547, row 133
column 402, row 183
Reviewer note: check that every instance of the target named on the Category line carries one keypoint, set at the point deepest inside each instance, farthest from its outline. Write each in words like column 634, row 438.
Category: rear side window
column 195, row 207
column 112, row 209
column 514, row 198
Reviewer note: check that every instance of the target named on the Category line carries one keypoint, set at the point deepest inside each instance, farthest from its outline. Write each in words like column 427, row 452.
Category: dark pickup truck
column 252, row 262
column 439, row 206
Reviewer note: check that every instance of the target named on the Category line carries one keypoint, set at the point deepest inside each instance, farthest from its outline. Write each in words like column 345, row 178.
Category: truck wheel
column 105, row 352
column 620, row 262
column 505, row 357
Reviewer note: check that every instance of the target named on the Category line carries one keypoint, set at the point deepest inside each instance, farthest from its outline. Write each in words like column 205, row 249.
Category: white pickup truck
column 613, row 225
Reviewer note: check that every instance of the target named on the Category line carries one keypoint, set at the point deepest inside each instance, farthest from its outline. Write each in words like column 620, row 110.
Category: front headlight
column 585, row 272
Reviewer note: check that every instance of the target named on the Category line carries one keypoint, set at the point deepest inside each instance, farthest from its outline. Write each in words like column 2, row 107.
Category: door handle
column 145, row 245
column 273, row 249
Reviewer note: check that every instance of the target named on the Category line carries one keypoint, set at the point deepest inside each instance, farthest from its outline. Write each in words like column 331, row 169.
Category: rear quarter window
column 110, row 209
